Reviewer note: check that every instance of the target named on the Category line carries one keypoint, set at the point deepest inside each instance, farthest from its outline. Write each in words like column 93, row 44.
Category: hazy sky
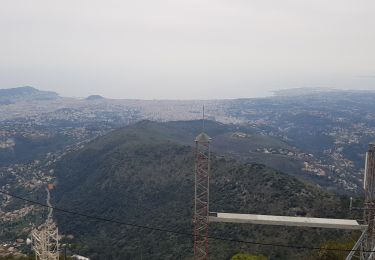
column 186, row 48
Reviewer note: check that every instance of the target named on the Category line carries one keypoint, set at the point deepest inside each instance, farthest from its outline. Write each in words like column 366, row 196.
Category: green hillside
column 240, row 142
column 27, row 149
column 243, row 143
column 143, row 174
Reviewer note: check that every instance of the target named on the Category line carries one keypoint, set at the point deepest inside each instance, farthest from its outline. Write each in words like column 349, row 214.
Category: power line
column 172, row 231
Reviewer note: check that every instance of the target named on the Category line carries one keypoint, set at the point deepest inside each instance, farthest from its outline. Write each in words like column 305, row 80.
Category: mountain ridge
column 137, row 175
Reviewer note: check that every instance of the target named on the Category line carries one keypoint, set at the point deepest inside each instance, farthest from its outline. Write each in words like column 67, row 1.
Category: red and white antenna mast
column 201, row 198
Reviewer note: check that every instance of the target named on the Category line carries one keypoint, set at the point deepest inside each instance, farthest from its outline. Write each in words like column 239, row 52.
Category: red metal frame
column 201, row 200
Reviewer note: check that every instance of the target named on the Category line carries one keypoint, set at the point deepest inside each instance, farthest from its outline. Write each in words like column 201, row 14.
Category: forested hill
column 141, row 174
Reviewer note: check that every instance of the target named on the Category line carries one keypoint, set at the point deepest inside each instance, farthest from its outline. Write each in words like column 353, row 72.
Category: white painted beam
column 286, row 221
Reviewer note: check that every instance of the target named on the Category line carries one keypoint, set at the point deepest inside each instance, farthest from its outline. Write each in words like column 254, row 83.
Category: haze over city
column 187, row 129
column 186, row 49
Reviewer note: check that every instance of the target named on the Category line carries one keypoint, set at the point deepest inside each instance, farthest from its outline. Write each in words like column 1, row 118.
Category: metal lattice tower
column 369, row 205
column 365, row 245
column 45, row 238
column 201, row 199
